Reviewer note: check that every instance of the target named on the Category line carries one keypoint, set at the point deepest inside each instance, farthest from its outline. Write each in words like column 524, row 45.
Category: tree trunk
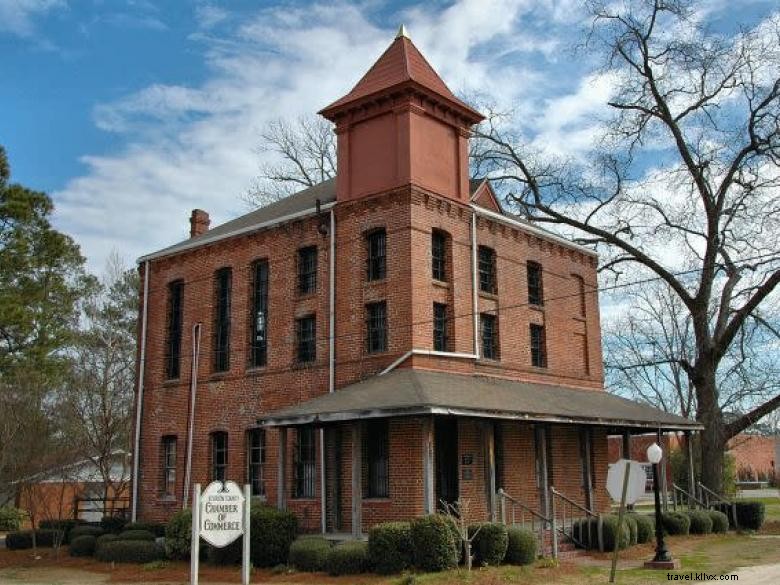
column 712, row 442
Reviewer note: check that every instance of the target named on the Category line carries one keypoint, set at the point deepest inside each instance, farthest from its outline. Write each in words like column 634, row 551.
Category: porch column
column 489, row 437
column 429, row 504
column 587, row 446
column 626, row 445
column 691, row 474
column 281, row 473
column 357, row 479
column 662, row 470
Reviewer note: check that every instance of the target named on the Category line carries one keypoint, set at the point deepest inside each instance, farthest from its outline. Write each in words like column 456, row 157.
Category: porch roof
column 406, row 392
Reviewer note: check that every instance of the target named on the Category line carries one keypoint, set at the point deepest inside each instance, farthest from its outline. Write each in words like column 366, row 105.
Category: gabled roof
column 406, row 392
column 401, row 63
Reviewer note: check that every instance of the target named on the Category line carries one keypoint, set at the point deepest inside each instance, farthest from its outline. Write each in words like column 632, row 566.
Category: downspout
column 331, row 359
column 474, row 294
column 191, row 419
column 140, row 402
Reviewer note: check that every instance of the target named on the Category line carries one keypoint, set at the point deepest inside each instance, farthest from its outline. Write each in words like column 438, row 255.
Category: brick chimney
column 199, row 222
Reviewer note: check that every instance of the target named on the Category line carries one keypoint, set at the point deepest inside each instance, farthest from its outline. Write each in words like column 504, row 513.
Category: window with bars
column 169, row 466
column 376, row 265
column 535, row 291
column 377, row 460
column 307, row 270
column 376, row 327
column 305, row 464
column 222, row 320
column 439, row 255
column 538, row 346
column 440, row 337
column 255, row 460
column 173, row 346
column 487, row 269
column 258, row 327
column 488, row 325
column 306, row 338
column 219, row 456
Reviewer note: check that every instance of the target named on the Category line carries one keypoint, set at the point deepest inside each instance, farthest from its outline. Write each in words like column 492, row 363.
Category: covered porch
column 397, row 446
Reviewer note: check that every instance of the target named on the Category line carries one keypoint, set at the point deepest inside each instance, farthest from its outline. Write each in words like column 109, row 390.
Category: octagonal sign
column 221, row 513
column 636, row 481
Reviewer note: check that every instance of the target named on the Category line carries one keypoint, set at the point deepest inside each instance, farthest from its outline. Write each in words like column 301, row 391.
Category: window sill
column 296, row 365
column 172, row 382
column 217, row 376
column 377, row 500
column 167, row 499
column 256, row 370
column 488, row 295
column 440, row 283
column 489, row 361
column 536, row 307
column 376, row 281
column 580, row 318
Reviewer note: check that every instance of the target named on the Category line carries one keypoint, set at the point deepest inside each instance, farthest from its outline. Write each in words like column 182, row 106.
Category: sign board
column 636, row 481
column 221, row 513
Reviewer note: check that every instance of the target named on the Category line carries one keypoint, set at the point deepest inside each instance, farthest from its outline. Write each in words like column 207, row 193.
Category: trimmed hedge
column 113, row 523
column 521, row 546
column 309, row 554
column 457, row 539
column 137, row 534
column 10, row 518
column 65, row 525
column 349, row 558
column 751, row 515
column 701, row 522
column 720, row 522
column 129, row 551
column 272, row 533
column 104, row 538
column 83, row 546
column 227, row 555
column 44, row 537
column 178, row 535
column 676, row 523
column 490, row 543
column 432, row 541
column 611, row 539
column 644, row 528
column 85, row 530
column 390, row 547
column 156, row 528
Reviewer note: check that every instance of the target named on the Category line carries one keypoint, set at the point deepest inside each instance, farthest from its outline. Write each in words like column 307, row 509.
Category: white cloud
column 208, row 15
column 17, row 16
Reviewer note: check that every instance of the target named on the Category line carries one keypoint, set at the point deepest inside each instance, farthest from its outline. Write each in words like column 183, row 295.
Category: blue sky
column 130, row 112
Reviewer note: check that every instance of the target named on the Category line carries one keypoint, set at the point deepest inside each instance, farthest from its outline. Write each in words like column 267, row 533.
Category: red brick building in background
column 372, row 346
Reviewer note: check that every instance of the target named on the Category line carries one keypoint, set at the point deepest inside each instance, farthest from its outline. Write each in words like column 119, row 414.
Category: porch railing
column 513, row 512
column 713, row 499
column 568, row 514
column 683, row 498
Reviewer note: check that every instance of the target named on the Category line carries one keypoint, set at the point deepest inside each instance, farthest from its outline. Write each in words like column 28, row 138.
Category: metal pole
column 195, row 542
column 661, row 554
column 247, row 538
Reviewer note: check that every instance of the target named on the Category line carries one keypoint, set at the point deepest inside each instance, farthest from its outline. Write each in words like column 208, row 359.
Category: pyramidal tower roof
column 402, row 63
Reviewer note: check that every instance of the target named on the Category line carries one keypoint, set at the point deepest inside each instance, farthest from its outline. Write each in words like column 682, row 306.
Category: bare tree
column 684, row 178
column 296, row 155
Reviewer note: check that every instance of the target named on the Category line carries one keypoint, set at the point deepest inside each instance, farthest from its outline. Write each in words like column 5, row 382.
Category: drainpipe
column 191, row 420
column 331, row 358
column 140, row 400
column 474, row 294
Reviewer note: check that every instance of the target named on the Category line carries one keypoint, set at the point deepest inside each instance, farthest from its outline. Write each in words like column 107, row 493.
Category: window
column 222, row 320
column 488, row 325
column 255, row 460
column 376, row 327
column 538, row 349
column 581, row 291
column 439, row 255
column 487, row 270
column 440, row 339
column 305, row 463
column 173, row 353
column 377, row 255
column 307, row 270
column 169, row 466
column 535, row 292
column 376, row 439
column 258, row 343
column 219, row 456
column 306, row 336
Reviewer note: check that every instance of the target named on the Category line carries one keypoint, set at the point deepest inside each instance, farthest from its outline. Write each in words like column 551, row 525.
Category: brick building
column 373, row 345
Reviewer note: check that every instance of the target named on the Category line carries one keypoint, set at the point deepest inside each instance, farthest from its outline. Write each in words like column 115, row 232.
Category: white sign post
column 220, row 515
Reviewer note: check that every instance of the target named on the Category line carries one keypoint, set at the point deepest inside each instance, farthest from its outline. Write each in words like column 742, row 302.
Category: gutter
column 210, row 239
column 331, row 359
column 428, row 352
column 532, row 230
column 474, row 293
column 140, row 400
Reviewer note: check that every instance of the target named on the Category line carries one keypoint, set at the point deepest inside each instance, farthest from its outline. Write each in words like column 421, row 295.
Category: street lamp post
column 662, row 559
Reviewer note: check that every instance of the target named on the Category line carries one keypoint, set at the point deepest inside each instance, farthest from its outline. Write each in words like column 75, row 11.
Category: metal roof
column 406, row 392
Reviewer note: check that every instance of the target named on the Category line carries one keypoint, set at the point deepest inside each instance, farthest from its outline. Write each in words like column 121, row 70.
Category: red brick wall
column 755, row 456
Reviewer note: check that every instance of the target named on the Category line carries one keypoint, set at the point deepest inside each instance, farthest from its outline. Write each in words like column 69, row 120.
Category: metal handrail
column 690, row 497
column 572, row 506
column 719, row 499
column 538, row 521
